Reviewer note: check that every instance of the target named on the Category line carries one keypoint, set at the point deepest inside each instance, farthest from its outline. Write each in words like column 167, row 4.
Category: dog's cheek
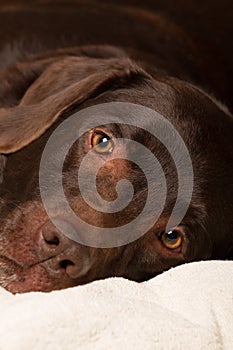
column 108, row 177
column 198, row 245
column 106, row 180
column 153, row 258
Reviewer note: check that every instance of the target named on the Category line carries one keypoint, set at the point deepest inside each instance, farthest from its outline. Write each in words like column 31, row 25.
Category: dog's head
column 36, row 97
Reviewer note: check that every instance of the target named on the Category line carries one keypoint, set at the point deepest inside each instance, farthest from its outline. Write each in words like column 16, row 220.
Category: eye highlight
column 172, row 239
column 102, row 143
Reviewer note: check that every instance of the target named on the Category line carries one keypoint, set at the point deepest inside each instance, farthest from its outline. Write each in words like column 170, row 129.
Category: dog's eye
column 102, row 143
column 172, row 239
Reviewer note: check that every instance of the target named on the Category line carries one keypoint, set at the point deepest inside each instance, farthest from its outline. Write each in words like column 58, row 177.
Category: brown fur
column 59, row 59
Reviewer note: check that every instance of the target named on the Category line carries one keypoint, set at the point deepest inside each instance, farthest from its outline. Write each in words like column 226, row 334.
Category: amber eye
column 172, row 239
column 102, row 143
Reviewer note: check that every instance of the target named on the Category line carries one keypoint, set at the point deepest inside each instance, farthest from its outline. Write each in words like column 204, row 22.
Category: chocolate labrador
column 58, row 59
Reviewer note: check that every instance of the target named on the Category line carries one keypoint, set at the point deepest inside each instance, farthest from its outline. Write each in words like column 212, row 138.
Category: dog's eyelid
column 98, row 131
column 2, row 166
column 102, row 131
column 182, row 229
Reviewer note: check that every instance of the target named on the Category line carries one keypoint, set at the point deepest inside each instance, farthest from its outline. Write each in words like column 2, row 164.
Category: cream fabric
column 188, row 307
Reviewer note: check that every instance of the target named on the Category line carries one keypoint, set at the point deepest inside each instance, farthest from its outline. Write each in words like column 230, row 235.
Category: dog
column 61, row 58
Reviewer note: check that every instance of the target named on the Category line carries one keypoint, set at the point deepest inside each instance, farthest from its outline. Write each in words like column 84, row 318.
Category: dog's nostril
column 60, row 254
column 54, row 241
column 65, row 263
column 51, row 241
column 51, row 238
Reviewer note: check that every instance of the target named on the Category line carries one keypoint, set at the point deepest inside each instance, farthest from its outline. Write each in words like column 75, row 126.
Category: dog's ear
column 33, row 95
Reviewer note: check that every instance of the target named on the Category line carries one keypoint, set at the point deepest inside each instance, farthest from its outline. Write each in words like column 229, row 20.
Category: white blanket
column 188, row 307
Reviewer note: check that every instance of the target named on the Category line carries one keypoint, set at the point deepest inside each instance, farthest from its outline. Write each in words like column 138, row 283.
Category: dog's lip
column 9, row 261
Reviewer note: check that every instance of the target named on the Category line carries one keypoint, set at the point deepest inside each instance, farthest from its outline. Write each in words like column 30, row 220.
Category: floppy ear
column 39, row 94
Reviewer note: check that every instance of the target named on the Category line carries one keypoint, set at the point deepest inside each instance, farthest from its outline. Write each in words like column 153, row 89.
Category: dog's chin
column 19, row 279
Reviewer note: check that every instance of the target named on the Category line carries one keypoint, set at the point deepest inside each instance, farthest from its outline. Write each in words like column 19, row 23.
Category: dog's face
column 36, row 97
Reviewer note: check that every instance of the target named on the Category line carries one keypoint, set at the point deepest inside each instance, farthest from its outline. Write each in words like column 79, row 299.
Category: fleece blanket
column 187, row 307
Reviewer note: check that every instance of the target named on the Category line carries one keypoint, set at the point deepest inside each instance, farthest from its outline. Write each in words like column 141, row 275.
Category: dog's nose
column 61, row 253
column 53, row 241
